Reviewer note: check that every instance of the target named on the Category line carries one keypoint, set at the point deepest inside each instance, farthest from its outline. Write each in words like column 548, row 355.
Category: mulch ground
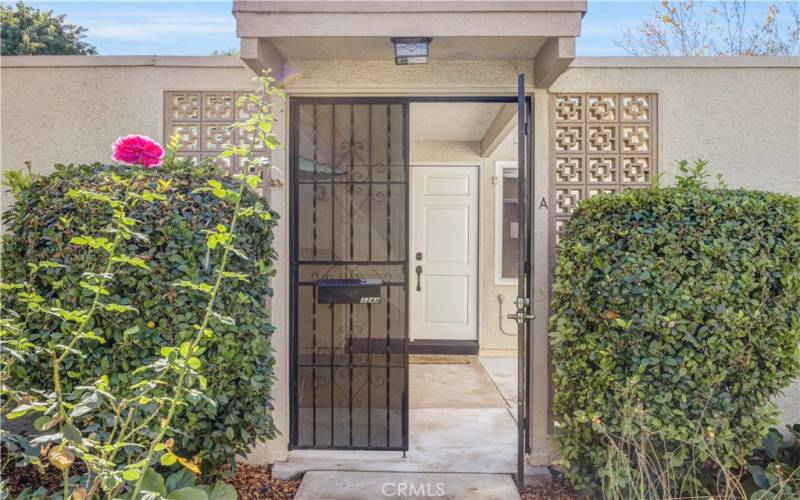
column 251, row 482
column 256, row 483
column 19, row 478
column 559, row 489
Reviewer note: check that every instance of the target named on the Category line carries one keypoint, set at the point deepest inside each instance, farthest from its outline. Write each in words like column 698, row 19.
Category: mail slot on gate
column 349, row 291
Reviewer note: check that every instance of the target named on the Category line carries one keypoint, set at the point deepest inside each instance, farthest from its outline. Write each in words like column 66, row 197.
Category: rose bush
column 134, row 314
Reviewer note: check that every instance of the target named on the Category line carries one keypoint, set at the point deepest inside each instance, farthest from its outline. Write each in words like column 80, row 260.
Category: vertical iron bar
column 529, row 268
column 388, row 257
column 333, row 257
column 314, row 302
column 369, row 375
column 352, row 239
column 369, row 166
column 406, row 177
column 521, row 291
column 333, row 187
column 369, row 306
column 333, row 374
column 350, row 376
column 293, row 275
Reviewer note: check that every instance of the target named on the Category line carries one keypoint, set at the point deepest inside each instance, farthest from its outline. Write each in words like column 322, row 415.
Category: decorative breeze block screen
column 600, row 143
column 202, row 120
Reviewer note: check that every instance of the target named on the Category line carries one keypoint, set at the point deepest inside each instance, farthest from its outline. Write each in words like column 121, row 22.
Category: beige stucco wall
column 744, row 121
column 74, row 113
column 386, row 78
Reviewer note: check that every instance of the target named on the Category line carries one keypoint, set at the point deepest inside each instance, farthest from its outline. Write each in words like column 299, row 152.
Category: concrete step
column 445, row 461
column 347, row 485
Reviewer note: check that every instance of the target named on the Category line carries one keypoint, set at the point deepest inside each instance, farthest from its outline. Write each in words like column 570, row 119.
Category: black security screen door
column 522, row 315
column 349, row 219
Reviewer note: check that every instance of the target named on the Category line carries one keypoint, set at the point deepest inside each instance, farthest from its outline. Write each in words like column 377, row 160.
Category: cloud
column 136, row 26
column 139, row 31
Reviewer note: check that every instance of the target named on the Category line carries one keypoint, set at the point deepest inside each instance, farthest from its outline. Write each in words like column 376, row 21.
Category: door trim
column 293, row 102
column 479, row 255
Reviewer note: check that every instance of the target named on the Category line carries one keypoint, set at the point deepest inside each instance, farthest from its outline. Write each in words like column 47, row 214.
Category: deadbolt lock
column 521, row 316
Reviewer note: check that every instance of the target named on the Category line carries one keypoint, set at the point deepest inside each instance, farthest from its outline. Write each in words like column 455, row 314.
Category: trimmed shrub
column 238, row 361
column 676, row 316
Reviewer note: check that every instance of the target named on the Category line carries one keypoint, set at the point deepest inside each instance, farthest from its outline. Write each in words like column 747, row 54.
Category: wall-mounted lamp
column 411, row 50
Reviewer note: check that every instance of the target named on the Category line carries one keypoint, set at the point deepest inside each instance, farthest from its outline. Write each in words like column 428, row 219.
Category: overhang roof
column 407, row 18
column 274, row 32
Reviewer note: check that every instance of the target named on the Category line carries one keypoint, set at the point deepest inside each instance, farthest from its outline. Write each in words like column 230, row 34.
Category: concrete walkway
column 376, row 485
column 459, row 422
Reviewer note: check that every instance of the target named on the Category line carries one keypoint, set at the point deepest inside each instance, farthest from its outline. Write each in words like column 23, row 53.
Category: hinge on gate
column 521, row 315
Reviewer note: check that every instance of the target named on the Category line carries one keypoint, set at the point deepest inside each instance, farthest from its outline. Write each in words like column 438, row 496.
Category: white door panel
column 447, row 300
column 456, row 185
column 444, row 234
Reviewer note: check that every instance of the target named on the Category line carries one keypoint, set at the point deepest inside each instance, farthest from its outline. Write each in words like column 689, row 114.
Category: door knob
column 419, row 273
column 520, row 316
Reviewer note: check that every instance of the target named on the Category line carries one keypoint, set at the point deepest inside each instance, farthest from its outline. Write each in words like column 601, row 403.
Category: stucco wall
column 386, row 78
column 61, row 113
column 744, row 121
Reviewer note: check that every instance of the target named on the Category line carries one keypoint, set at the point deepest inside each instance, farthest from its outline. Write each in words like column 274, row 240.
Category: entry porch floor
column 462, row 420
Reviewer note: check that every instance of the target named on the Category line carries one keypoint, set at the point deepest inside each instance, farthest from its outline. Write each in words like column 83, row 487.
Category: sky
column 164, row 27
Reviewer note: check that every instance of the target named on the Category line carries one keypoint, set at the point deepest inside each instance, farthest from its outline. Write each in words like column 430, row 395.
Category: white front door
column 444, row 253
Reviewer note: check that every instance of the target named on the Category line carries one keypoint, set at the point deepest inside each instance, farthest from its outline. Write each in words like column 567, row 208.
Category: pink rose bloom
column 138, row 150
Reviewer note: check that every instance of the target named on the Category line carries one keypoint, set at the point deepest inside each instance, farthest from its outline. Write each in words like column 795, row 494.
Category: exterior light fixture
column 411, row 50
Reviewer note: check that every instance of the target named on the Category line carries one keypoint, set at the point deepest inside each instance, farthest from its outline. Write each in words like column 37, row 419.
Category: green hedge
column 238, row 362
column 683, row 305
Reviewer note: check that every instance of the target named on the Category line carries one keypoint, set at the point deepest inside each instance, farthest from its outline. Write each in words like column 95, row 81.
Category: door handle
column 419, row 273
column 521, row 315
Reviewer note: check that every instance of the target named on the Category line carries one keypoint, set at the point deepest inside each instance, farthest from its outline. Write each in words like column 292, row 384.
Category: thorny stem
column 144, row 423
column 206, row 318
column 121, row 437
column 65, row 476
column 57, row 360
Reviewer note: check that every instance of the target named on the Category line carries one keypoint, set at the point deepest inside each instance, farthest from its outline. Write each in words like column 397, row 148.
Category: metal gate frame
column 294, row 105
